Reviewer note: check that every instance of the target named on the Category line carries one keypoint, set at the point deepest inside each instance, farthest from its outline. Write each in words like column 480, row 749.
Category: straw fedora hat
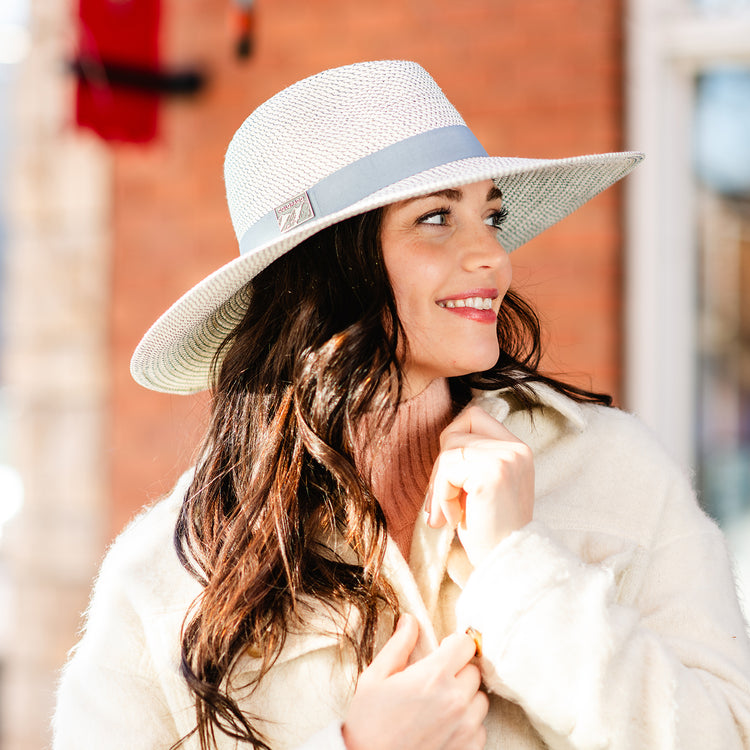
column 332, row 146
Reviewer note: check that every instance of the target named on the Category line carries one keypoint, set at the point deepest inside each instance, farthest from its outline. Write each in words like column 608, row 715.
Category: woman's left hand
column 482, row 482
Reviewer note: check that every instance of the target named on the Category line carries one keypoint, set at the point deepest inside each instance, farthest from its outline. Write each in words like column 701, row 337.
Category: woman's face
column 449, row 275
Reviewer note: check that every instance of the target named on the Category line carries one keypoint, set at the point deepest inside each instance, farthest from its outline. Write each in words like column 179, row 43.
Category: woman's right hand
column 433, row 704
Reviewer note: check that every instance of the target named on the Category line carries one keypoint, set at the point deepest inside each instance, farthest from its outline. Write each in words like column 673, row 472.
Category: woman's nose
column 480, row 247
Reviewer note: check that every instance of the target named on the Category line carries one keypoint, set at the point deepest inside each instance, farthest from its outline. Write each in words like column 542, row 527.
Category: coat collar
column 500, row 404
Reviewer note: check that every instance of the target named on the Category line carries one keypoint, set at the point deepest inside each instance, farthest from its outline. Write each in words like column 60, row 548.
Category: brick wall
column 531, row 77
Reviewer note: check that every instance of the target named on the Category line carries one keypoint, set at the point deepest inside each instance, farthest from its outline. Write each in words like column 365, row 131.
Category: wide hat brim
column 176, row 353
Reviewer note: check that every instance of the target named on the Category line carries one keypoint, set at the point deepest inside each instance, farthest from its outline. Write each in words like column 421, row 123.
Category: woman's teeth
column 478, row 303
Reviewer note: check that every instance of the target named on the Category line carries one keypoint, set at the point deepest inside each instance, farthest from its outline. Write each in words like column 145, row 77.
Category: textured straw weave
column 313, row 129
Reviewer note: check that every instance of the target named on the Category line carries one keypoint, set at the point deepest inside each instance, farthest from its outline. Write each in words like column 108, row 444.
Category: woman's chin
column 419, row 375
column 469, row 367
column 479, row 363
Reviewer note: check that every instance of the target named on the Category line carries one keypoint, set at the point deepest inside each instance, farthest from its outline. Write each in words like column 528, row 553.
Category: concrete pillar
column 55, row 324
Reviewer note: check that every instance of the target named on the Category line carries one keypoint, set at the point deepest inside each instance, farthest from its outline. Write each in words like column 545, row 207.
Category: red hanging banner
column 118, row 68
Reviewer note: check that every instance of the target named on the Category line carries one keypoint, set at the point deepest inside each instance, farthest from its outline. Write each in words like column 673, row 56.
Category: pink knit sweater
column 403, row 460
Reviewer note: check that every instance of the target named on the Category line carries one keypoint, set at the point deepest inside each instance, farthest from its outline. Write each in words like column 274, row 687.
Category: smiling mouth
column 477, row 303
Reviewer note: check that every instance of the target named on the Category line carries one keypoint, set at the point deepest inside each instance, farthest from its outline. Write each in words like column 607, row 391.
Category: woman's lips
column 471, row 313
column 474, row 304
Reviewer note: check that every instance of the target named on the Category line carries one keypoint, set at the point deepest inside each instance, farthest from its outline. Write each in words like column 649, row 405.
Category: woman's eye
column 435, row 217
column 497, row 218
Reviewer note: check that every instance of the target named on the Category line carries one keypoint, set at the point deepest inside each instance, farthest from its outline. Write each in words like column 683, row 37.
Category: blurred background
column 114, row 117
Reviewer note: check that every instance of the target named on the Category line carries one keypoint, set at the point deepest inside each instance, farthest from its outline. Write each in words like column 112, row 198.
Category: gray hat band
column 361, row 178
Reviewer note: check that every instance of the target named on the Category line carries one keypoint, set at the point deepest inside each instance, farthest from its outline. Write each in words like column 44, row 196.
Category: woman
column 561, row 589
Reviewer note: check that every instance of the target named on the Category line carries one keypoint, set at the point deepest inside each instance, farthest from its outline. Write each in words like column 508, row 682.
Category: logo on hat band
column 294, row 212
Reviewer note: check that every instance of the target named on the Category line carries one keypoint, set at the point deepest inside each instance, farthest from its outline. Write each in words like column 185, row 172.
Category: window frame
column 668, row 43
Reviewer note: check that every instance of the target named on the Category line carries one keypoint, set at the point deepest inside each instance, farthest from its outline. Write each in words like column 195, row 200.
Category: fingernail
column 476, row 636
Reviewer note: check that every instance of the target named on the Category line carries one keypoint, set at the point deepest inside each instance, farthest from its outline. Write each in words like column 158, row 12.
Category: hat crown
column 322, row 124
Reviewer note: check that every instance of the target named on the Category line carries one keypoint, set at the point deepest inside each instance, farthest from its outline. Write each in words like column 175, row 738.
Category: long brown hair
column 316, row 350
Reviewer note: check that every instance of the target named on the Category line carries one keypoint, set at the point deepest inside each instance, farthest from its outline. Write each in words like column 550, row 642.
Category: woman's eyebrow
column 494, row 193
column 455, row 194
column 451, row 194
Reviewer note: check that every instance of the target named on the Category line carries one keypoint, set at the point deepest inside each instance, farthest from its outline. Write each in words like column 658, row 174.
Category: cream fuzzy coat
column 611, row 621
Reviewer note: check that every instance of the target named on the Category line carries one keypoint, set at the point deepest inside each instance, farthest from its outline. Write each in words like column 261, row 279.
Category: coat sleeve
column 109, row 693
column 668, row 670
